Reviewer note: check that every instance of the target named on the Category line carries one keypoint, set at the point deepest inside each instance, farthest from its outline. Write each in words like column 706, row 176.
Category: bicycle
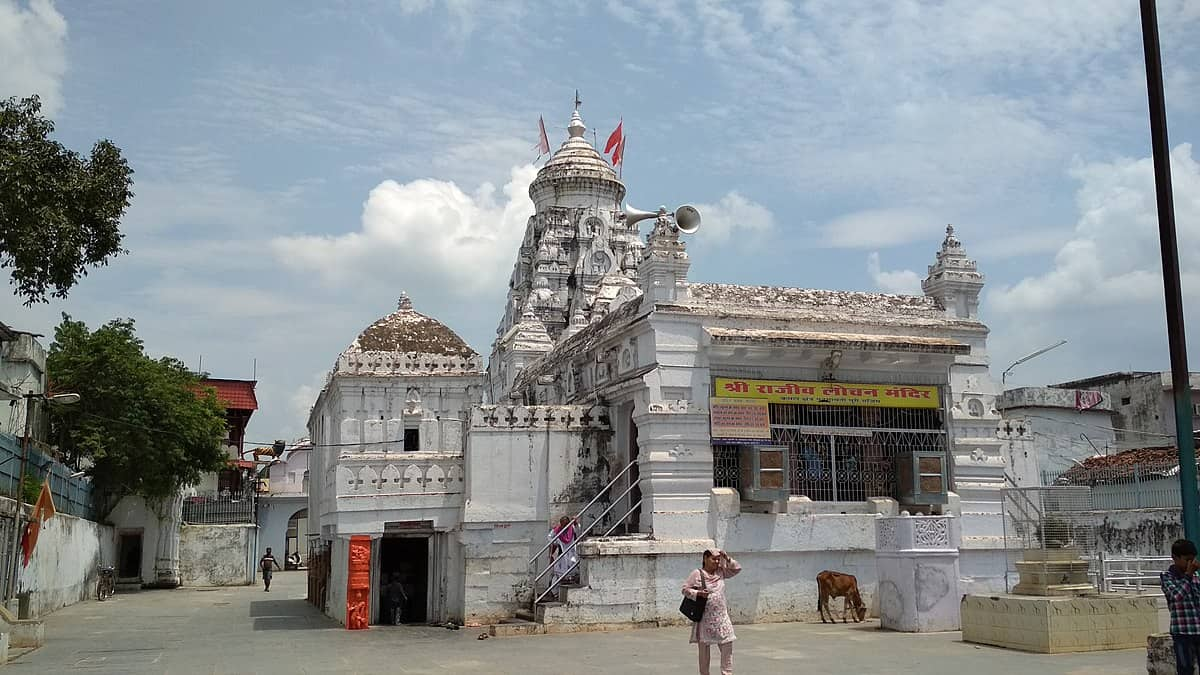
column 106, row 586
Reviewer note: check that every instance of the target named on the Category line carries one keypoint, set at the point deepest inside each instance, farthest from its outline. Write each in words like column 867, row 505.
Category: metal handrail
column 599, row 494
column 556, row 584
column 579, row 535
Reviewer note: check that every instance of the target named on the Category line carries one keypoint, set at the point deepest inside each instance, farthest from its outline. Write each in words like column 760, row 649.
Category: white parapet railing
column 408, row 473
column 1128, row 574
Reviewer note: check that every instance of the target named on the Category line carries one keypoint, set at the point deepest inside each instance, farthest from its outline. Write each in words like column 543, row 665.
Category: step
column 516, row 628
column 522, row 615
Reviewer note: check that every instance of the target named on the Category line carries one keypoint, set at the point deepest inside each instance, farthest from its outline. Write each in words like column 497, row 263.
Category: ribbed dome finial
column 404, row 302
column 576, row 129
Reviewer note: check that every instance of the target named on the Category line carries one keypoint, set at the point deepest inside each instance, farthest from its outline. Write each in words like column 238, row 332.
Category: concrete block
column 884, row 506
column 28, row 633
column 1055, row 624
column 1160, row 655
column 726, row 502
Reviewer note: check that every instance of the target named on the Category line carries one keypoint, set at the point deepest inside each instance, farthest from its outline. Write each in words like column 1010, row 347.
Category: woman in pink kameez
column 714, row 628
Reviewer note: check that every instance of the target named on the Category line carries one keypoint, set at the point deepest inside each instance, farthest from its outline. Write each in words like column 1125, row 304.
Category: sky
column 300, row 164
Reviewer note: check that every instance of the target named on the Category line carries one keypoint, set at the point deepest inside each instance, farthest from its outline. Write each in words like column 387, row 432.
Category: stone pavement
column 244, row 630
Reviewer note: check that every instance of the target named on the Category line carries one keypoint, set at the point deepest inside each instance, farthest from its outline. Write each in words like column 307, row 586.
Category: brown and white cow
column 839, row 585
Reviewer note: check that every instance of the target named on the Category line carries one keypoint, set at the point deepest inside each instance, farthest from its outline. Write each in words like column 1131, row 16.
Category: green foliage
column 59, row 212
column 31, row 487
column 139, row 420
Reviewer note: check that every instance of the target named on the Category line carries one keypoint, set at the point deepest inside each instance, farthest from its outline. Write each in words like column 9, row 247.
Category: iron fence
column 219, row 509
column 72, row 494
column 1130, row 486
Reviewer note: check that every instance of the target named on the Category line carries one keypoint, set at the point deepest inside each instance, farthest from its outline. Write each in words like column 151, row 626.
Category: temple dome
column 409, row 331
column 576, row 159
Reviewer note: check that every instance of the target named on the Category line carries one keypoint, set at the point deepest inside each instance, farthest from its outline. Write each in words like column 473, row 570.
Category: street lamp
column 1023, row 359
column 59, row 399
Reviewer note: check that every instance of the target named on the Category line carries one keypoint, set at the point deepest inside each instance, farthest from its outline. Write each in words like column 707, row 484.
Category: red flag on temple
column 614, row 139
column 619, row 153
column 543, row 146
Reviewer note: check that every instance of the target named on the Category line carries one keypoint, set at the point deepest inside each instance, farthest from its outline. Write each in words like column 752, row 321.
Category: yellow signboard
column 739, row 420
column 830, row 393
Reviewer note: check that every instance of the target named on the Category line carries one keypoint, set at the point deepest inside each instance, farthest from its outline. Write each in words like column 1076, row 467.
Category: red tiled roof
column 1150, row 462
column 235, row 394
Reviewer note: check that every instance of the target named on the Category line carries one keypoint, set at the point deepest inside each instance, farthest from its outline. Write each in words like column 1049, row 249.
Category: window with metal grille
column 842, row 453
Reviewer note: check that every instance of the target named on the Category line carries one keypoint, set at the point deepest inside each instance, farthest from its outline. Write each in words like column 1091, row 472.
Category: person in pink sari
column 562, row 550
column 715, row 627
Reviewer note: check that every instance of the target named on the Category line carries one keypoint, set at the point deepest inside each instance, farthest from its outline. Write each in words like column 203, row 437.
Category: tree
column 144, row 423
column 59, row 212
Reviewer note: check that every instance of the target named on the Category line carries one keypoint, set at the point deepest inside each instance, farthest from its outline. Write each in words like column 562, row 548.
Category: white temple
column 672, row 415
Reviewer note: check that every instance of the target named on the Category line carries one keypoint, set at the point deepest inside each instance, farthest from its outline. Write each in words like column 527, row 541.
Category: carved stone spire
column 954, row 279
column 404, row 302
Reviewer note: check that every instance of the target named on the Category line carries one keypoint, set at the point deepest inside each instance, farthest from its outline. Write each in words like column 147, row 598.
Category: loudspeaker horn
column 633, row 215
column 687, row 219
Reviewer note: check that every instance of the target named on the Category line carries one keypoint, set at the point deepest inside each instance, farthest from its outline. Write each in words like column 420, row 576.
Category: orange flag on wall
column 43, row 510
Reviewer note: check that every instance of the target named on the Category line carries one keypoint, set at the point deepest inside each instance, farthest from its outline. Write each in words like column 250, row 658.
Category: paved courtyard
column 244, row 630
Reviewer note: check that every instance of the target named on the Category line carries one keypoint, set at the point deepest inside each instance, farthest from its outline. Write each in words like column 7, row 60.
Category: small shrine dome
column 409, row 331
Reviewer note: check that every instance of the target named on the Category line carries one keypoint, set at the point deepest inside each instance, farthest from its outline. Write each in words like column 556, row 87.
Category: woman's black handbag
column 694, row 608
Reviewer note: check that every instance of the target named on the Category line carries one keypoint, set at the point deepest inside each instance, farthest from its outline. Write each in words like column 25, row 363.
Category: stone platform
column 1054, row 625
column 1053, row 572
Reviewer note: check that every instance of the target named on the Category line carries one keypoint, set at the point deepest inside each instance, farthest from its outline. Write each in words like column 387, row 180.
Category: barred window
column 842, row 453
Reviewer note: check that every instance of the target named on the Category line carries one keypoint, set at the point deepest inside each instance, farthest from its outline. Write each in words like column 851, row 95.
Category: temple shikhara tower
column 577, row 256
column 669, row 415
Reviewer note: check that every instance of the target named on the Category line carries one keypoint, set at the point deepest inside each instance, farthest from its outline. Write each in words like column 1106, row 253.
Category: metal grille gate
column 842, row 453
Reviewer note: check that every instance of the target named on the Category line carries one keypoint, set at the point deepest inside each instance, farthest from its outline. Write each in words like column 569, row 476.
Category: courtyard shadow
column 288, row 615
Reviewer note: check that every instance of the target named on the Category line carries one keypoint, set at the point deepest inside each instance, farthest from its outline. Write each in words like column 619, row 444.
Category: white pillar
column 166, row 559
column 917, row 563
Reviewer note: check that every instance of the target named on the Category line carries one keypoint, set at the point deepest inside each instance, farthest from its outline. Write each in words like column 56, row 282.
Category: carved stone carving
column 931, row 533
column 885, row 536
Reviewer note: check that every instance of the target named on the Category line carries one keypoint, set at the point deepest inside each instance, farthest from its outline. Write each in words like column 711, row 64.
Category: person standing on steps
column 562, row 550
column 268, row 565
column 714, row 628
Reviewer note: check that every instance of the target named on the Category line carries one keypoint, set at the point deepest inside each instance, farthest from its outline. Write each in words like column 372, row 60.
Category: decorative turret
column 662, row 273
column 954, row 279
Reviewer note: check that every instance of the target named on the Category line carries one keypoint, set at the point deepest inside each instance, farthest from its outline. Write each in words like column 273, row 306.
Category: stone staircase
column 602, row 598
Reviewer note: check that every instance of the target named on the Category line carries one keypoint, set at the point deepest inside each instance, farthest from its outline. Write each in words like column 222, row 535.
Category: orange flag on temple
column 43, row 510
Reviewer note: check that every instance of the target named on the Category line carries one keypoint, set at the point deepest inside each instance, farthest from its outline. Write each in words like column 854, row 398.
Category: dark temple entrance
column 403, row 561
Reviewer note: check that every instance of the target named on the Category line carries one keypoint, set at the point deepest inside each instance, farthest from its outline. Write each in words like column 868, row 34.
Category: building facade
column 1048, row 430
column 206, row 535
column 283, row 504
column 672, row 415
column 1143, row 406
column 387, row 435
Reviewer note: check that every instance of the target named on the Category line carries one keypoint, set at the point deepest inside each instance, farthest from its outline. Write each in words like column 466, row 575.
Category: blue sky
column 299, row 164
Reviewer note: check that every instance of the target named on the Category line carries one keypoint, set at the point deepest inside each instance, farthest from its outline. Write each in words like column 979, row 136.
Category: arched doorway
column 297, row 539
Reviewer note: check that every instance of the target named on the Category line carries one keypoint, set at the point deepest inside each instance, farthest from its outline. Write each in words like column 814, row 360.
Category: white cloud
column 425, row 230
column 1113, row 258
column 734, row 216
column 879, row 228
column 33, row 52
column 1103, row 292
column 903, row 282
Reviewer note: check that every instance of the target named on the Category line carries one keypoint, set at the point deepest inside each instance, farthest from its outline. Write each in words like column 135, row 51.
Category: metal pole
column 15, row 558
column 1180, row 377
